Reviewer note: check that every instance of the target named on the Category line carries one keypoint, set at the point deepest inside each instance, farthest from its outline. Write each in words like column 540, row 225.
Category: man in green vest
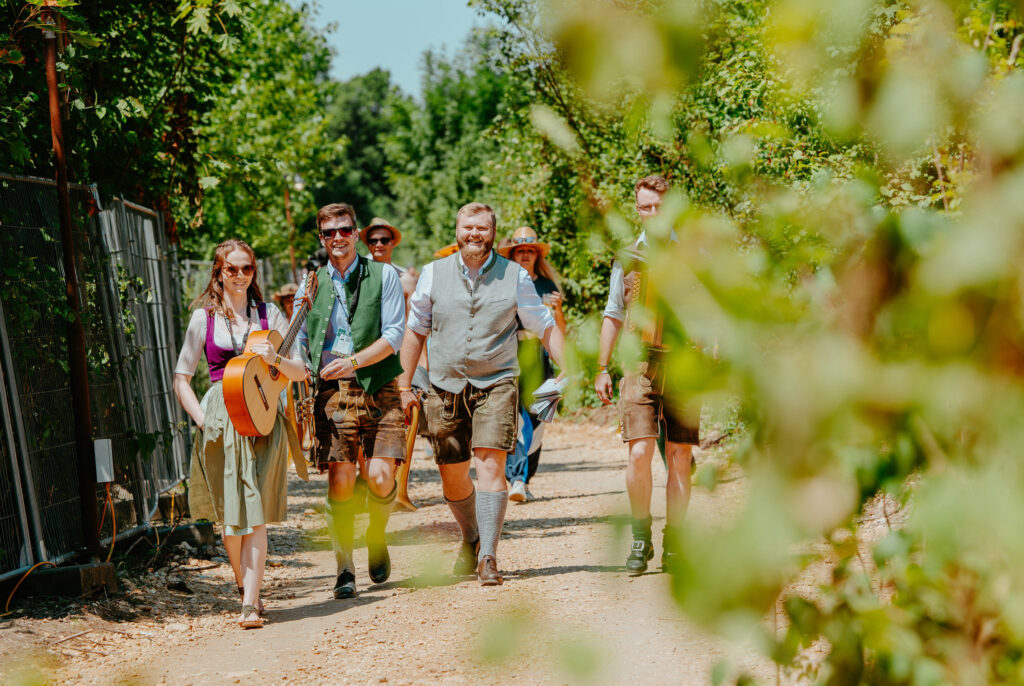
column 352, row 336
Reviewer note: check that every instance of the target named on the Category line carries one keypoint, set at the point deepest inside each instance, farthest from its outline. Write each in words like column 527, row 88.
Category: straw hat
column 447, row 250
column 379, row 223
column 524, row 236
column 289, row 289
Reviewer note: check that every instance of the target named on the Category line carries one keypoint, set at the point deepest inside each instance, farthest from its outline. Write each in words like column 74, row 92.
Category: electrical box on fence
column 104, row 460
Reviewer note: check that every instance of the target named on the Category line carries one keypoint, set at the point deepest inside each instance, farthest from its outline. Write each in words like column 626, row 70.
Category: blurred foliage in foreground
column 850, row 179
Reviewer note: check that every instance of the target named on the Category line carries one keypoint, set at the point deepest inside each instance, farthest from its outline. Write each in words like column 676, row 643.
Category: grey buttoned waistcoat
column 473, row 326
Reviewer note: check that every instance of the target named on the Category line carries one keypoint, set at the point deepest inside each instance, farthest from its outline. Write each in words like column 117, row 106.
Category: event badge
column 342, row 344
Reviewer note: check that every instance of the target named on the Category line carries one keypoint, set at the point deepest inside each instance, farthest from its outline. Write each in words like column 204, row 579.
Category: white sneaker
column 517, row 493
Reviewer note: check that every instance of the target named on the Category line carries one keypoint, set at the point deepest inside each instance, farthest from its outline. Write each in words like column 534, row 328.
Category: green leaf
column 198, row 21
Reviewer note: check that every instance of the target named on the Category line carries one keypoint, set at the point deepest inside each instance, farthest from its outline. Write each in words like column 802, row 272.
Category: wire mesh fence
column 129, row 303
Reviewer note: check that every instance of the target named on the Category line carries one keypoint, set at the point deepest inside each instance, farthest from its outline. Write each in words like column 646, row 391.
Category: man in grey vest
column 468, row 303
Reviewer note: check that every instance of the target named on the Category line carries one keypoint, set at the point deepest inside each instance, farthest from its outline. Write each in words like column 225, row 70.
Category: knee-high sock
column 465, row 514
column 379, row 509
column 341, row 523
column 490, row 515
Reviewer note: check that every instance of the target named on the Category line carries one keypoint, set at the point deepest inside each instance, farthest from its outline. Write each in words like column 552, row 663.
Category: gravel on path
column 567, row 612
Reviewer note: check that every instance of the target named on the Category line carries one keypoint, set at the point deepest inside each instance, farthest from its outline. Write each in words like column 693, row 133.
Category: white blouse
column 195, row 336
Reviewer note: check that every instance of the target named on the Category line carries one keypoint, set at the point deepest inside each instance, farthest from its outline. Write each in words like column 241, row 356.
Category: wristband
column 403, row 389
column 277, row 360
column 602, row 369
column 354, row 361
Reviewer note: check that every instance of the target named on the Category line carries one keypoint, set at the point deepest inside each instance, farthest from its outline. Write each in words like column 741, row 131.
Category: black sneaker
column 670, row 557
column 345, row 586
column 669, row 561
column 465, row 563
column 379, row 560
column 639, row 553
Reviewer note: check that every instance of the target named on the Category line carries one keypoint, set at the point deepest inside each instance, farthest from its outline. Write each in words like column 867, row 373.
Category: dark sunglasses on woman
column 232, row 271
column 379, row 241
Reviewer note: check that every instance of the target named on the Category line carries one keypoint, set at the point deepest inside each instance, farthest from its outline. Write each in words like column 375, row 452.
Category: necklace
column 231, row 330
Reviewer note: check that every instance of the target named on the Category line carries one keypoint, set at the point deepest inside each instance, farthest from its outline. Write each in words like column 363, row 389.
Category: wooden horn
column 402, row 478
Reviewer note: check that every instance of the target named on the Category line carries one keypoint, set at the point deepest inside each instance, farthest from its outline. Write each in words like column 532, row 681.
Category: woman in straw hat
column 535, row 367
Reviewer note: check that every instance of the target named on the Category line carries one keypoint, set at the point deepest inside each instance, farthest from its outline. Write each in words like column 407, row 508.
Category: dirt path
column 566, row 614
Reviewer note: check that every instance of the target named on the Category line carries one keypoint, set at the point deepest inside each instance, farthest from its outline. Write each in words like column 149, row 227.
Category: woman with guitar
column 238, row 481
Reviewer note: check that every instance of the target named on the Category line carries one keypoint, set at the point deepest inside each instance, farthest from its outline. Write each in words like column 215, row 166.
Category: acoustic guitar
column 252, row 388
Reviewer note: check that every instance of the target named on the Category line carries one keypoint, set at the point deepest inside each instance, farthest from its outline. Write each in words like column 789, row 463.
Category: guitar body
column 252, row 389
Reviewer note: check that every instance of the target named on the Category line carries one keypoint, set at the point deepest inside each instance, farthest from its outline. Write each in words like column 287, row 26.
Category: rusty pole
column 291, row 231
column 81, row 409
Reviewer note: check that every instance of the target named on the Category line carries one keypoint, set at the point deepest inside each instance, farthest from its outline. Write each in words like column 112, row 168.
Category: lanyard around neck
column 231, row 330
column 356, row 274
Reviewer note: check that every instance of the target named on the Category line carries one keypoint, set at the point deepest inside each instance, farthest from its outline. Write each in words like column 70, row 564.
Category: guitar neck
column 293, row 330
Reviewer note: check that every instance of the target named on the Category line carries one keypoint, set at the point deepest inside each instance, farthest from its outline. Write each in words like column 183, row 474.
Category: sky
column 393, row 34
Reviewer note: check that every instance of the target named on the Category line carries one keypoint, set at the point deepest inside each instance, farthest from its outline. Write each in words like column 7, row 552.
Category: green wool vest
column 365, row 323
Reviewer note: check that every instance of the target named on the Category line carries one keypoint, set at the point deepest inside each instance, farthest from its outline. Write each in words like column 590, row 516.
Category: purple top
column 218, row 357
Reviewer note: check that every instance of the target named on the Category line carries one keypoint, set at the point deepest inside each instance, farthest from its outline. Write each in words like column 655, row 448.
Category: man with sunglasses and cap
column 470, row 304
column 352, row 337
column 382, row 238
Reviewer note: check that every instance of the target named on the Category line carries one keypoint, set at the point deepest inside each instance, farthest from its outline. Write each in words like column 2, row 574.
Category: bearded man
column 470, row 304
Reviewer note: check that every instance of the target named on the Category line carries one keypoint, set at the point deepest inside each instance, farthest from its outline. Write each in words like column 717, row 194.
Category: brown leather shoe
column 487, row 572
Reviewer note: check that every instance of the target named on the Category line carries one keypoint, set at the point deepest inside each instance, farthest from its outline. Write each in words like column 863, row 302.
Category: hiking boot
column 670, row 561
column 639, row 553
column 670, row 557
column 465, row 563
column 379, row 559
column 345, row 585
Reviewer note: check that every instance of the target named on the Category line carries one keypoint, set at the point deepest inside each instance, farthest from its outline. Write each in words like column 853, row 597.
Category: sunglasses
column 345, row 231
column 524, row 239
column 379, row 241
column 231, row 271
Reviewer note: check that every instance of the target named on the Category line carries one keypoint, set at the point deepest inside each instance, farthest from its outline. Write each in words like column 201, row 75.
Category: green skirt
column 235, row 480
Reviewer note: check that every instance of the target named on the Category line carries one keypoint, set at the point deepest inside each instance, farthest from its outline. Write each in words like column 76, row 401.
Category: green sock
column 642, row 529
column 379, row 509
column 341, row 517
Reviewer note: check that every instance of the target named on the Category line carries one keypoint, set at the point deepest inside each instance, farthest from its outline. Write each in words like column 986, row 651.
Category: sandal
column 246, row 623
column 260, row 610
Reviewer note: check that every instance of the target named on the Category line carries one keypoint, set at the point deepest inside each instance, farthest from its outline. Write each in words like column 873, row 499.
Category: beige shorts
column 644, row 412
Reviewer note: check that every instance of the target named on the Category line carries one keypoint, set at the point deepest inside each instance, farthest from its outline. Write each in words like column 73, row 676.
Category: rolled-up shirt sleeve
column 533, row 313
column 616, row 306
column 392, row 309
column 420, row 306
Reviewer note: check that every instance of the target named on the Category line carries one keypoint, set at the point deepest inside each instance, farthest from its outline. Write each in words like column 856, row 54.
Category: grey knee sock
column 341, row 517
column 379, row 509
column 465, row 514
column 490, row 515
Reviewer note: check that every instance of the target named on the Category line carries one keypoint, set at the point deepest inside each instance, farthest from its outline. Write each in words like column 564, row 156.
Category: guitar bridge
column 263, row 395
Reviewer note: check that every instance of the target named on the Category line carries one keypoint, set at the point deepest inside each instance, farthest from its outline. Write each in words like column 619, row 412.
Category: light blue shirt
column 392, row 312
column 616, row 306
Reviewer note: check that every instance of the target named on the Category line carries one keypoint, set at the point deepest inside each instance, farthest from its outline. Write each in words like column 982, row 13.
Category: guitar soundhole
column 274, row 373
